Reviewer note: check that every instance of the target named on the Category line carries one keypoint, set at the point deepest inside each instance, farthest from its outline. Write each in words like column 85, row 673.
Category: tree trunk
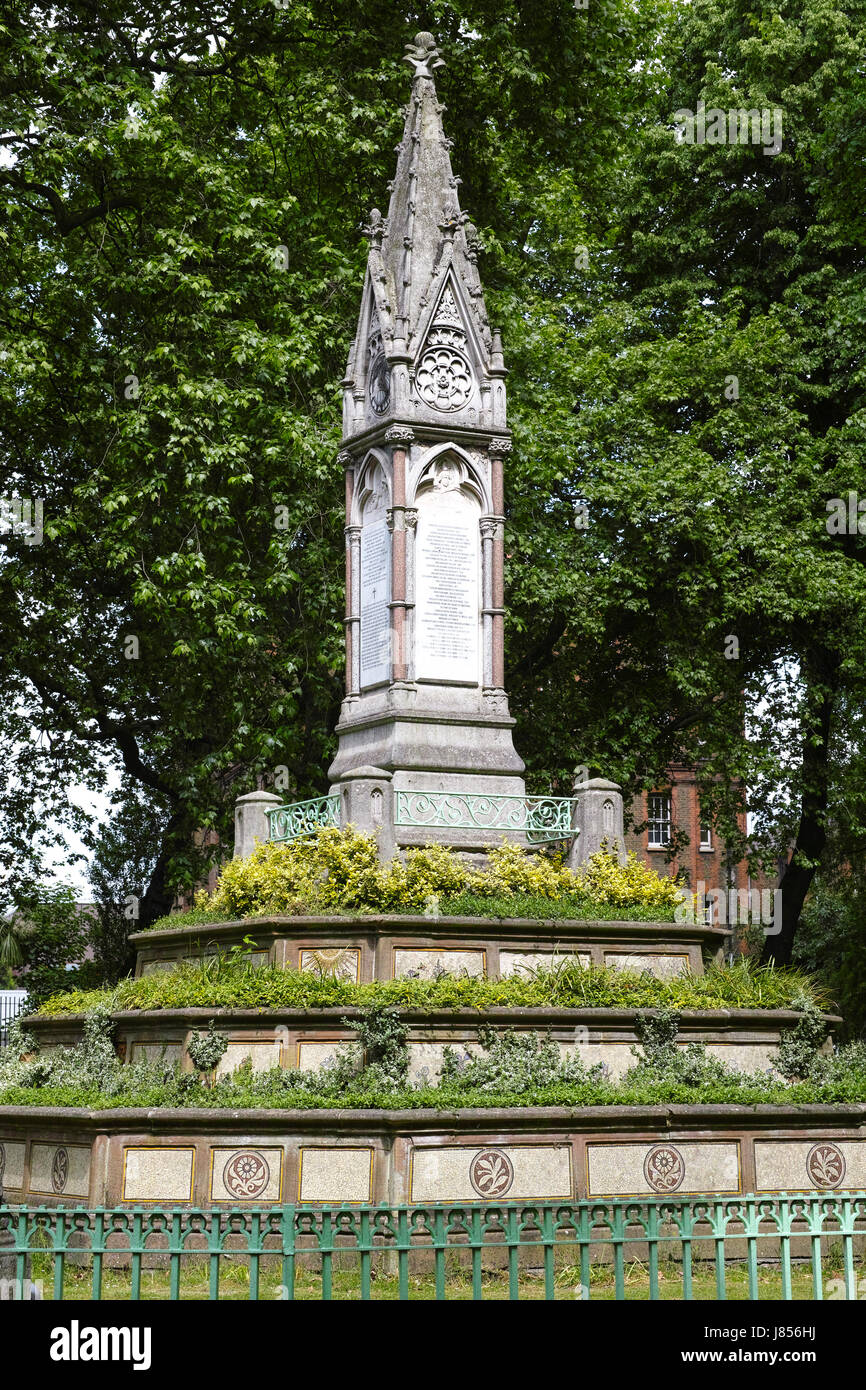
column 821, row 674
column 158, row 897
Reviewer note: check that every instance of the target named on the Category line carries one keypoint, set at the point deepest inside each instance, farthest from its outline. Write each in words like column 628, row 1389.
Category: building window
column 659, row 817
column 706, row 837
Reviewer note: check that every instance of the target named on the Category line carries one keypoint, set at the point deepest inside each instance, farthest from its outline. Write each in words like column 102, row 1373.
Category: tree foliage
column 179, row 275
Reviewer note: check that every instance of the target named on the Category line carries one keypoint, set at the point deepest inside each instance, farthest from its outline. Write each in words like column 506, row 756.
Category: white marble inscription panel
column 375, row 597
column 447, row 590
column 158, row 1173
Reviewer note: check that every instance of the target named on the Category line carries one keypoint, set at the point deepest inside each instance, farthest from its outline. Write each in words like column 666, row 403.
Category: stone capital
column 498, row 448
column 399, row 434
column 345, row 459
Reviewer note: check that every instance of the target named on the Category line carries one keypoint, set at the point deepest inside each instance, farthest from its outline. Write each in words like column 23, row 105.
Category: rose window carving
column 444, row 377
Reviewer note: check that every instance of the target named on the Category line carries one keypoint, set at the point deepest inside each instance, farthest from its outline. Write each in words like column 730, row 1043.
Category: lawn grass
column 345, row 1284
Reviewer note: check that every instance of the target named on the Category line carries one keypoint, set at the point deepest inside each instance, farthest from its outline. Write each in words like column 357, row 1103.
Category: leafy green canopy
column 179, row 280
column 695, row 398
column 179, row 276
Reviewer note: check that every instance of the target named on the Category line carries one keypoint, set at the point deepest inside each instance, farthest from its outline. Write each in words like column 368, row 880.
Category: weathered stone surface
column 246, row 1175
column 495, row 1172
column 336, row 1175
column 663, row 965
column 661, row 1150
column 425, row 1059
column 425, row 965
column 155, row 1051
column 313, row 1055
column 526, row 962
column 810, row 1165
column 263, row 1056
column 746, row 1056
column 11, row 1163
column 663, row 1168
column 60, row 1170
column 598, row 820
column 287, row 940
column 158, row 1174
column 251, row 821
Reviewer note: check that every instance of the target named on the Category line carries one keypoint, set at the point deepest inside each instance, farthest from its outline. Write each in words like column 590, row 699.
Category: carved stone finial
column 450, row 217
column 376, row 228
column 423, row 55
column 473, row 241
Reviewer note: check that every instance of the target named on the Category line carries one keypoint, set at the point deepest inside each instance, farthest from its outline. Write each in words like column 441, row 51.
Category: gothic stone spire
column 424, row 348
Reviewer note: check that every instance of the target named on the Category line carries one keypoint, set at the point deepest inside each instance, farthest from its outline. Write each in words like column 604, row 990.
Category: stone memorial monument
column 425, row 753
column 425, row 440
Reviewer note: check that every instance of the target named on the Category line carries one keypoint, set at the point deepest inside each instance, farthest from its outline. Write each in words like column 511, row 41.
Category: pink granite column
column 400, row 437
column 353, row 579
column 498, row 449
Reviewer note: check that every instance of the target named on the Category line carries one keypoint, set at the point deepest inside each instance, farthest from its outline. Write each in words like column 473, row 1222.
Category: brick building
column 675, row 805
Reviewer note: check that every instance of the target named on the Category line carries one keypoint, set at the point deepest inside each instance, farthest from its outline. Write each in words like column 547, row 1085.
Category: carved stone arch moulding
column 447, row 467
column 373, row 489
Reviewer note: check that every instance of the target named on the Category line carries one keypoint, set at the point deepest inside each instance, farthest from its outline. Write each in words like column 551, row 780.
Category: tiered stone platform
column 364, row 948
column 207, row 1157
column 333, row 1156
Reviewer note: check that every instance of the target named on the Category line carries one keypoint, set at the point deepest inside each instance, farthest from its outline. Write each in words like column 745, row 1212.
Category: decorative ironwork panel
column 301, row 818
column 541, row 818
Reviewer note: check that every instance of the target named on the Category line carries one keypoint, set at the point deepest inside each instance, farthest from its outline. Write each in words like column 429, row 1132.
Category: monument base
column 400, row 745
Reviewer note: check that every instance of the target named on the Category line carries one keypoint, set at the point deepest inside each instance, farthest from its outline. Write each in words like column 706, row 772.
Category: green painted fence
column 807, row 1246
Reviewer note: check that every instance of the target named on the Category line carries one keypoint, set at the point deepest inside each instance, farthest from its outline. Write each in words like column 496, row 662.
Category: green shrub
column 514, row 1063
column 206, row 1049
column 514, row 1069
column 567, row 983
column 340, row 870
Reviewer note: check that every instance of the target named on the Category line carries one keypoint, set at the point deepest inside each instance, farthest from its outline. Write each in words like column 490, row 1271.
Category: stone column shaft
column 399, row 438
column 498, row 575
column 488, row 540
column 353, row 610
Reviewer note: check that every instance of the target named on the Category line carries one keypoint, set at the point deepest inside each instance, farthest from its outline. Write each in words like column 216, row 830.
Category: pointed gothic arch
column 472, row 475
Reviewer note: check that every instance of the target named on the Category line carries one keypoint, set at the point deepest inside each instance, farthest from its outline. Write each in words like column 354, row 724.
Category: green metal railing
column 540, row 818
column 301, row 818
column 776, row 1247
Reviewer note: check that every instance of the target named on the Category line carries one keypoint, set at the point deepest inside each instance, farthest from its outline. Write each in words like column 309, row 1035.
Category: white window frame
column 659, row 819
column 706, row 837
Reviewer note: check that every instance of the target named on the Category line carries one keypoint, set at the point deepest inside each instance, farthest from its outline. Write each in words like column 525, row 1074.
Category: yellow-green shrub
column 511, row 870
column 432, row 872
column 605, row 880
column 333, row 868
column 341, row 869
